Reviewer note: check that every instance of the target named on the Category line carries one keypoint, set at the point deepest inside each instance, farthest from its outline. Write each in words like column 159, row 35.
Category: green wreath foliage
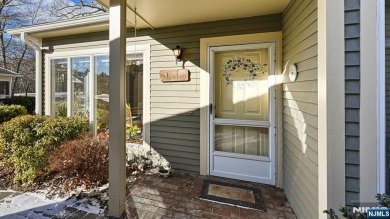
column 244, row 63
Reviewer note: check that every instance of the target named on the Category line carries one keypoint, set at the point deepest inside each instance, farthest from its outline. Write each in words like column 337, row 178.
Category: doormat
column 225, row 193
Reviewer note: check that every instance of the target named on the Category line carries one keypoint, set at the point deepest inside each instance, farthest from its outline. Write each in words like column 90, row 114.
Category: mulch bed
column 55, row 184
column 6, row 176
column 6, row 181
column 50, row 182
column 61, row 186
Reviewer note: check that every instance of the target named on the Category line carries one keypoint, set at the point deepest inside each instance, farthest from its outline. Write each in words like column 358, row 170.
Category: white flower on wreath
column 244, row 63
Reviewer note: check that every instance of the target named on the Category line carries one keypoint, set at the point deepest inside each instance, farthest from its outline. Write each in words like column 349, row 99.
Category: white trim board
column 331, row 106
column 369, row 102
column 381, row 92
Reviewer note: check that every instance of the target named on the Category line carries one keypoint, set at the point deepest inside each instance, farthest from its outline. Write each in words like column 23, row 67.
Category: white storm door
column 242, row 112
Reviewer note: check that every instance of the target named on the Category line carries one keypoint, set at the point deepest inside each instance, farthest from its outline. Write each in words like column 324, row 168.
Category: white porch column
column 372, row 100
column 37, row 46
column 331, row 105
column 38, row 81
column 11, row 81
column 117, row 152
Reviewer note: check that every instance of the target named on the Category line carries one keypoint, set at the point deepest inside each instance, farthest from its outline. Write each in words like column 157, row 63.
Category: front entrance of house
column 242, row 112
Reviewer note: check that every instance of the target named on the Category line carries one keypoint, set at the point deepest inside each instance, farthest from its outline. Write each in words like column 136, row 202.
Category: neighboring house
column 321, row 136
column 6, row 79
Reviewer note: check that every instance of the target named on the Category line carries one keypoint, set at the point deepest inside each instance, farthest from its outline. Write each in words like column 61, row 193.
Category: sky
column 78, row 1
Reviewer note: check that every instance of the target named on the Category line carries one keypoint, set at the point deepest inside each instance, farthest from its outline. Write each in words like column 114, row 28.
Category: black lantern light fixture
column 177, row 52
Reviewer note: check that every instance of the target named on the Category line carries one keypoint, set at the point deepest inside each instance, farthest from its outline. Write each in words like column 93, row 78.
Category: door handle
column 211, row 108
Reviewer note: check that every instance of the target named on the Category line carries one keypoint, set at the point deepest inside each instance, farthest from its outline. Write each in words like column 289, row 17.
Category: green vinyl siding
column 174, row 107
column 300, row 108
column 352, row 100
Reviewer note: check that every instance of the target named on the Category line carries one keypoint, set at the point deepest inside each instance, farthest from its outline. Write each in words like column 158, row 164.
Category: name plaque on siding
column 175, row 75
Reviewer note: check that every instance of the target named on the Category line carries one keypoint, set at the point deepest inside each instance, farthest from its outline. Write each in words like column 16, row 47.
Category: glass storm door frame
column 261, row 169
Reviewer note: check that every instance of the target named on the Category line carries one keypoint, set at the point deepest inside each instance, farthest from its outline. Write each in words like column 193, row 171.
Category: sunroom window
column 80, row 84
column 59, row 70
column 102, row 73
column 87, row 92
column 134, row 98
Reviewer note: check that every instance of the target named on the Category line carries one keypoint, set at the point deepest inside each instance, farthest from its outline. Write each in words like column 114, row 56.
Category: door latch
column 211, row 108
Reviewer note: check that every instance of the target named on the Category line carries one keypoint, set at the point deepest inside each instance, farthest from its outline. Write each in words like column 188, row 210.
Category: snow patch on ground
column 90, row 206
column 25, row 201
column 36, row 205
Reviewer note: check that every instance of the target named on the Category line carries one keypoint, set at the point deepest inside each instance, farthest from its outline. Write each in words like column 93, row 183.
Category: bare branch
column 69, row 9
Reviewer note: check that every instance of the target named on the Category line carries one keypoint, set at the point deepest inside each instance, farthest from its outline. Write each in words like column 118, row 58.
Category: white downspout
column 38, row 70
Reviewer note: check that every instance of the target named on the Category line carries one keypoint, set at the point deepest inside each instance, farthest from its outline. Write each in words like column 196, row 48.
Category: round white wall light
column 292, row 72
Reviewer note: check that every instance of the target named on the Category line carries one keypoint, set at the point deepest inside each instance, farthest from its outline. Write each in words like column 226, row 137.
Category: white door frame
column 271, row 124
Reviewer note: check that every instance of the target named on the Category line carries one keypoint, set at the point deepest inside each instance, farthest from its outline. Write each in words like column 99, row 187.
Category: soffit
column 159, row 13
column 164, row 13
column 89, row 28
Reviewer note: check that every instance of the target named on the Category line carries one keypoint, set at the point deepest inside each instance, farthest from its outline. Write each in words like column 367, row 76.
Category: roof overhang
column 66, row 27
column 156, row 14
column 11, row 75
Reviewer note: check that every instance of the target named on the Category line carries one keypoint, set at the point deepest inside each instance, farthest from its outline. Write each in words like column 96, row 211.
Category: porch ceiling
column 165, row 13
column 157, row 14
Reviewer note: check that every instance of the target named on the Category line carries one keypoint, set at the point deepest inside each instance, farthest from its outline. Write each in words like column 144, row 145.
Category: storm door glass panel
column 102, row 72
column 134, row 98
column 241, row 139
column 241, row 95
column 80, row 71
column 59, row 68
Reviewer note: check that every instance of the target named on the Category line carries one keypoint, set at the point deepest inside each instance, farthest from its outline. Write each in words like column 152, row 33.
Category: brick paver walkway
column 151, row 196
column 178, row 197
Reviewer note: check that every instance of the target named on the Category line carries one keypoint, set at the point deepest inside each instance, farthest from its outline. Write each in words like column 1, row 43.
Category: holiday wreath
column 244, row 63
